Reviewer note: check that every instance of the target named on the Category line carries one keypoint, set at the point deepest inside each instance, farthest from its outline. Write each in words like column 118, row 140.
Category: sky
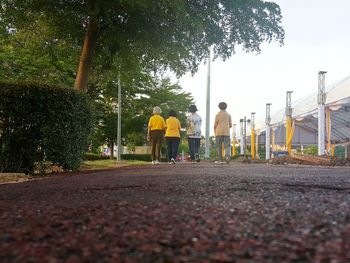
column 317, row 37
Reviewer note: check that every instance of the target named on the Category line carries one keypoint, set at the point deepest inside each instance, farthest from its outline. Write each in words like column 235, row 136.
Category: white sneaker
column 153, row 162
column 156, row 162
column 172, row 161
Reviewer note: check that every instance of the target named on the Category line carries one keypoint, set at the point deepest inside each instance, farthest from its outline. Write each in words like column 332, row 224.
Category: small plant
column 311, row 150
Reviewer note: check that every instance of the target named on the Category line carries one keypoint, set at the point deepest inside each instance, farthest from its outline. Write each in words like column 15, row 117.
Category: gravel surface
column 180, row 213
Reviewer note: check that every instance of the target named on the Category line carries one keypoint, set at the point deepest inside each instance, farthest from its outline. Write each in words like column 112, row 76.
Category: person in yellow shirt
column 172, row 136
column 222, row 125
column 155, row 134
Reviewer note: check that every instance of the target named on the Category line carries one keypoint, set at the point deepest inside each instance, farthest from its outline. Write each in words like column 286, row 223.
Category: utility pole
column 119, row 132
column 268, row 131
column 245, row 136
column 252, row 136
column 242, row 137
column 207, row 114
column 321, row 99
column 289, row 134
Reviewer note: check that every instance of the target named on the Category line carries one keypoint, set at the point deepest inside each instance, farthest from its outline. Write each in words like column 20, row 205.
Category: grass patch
column 103, row 164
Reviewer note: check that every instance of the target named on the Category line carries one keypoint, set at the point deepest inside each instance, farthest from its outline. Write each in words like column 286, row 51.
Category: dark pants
column 193, row 144
column 173, row 147
column 157, row 137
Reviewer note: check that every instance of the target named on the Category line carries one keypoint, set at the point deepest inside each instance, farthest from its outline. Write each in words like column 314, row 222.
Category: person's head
column 192, row 109
column 157, row 110
column 172, row 113
column 222, row 106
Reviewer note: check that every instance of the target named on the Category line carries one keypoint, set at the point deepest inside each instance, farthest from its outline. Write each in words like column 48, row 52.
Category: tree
column 136, row 108
column 36, row 54
column 167, row 34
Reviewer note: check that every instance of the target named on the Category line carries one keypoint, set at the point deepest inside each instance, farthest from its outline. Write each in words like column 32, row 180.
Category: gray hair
column 157, row 110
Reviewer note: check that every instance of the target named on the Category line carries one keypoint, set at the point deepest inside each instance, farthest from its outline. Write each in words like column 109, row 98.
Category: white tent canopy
column 305, row 116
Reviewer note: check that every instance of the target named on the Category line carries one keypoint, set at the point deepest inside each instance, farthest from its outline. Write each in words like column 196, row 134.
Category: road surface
column 180, row 213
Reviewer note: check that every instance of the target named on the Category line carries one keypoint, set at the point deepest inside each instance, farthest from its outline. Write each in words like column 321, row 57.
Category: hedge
column 135, row 157
column 41, row 123
column 95, row 157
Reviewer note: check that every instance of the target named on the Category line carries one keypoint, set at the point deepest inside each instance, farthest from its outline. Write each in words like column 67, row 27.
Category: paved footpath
column 180, row 213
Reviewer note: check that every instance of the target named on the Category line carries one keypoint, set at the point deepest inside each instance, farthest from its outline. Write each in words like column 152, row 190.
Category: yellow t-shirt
column 173, row 127
column 222, row 124
column 156, row 122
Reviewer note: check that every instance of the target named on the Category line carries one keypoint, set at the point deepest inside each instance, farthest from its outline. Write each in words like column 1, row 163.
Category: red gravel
column 181, row 213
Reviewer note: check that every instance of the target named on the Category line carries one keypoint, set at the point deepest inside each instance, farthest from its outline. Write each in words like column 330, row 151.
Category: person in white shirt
column 194, row 122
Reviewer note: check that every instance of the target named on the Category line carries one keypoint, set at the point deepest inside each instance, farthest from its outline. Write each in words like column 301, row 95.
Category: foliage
column 94, row 157
column 42, row 123
column 184, row 29
column 183, row 146
column 139, row 157
column 137, row 105
column 41, row 40
column 339, row 151
column 262, row 152
column 212, row 148
column 311, row 150
column 35, row 54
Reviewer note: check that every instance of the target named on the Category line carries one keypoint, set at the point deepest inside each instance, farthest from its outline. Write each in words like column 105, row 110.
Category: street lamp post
column 119, row 132
column 242, row 137
column 268, row 131
column 207, row 114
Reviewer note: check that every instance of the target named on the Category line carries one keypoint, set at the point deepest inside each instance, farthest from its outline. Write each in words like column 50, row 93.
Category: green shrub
column 138, row 157
column 311, row 150
column 262, row 152
column 95, row 157
column 339, row 151
column 42, row 123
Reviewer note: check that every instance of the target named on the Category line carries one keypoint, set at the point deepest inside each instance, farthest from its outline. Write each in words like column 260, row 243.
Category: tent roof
column 337, row 96
column 337, row 99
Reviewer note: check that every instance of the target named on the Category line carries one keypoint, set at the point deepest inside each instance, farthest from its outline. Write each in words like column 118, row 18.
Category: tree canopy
column 159, row 35
column 137, row 108
column 34, row 53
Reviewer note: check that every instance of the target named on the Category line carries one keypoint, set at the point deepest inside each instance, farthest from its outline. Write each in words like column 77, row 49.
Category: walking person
column 222, row 125
column 172, row 136
column 193, row 132
column 155, row 134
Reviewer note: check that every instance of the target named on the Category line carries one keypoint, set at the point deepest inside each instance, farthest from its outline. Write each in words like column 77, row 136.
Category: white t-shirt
column 194, row 122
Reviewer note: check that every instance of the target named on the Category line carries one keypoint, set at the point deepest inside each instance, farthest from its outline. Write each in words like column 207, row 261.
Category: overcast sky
column 317, row 37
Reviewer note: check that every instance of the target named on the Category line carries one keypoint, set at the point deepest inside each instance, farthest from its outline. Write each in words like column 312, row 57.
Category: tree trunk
column 82, row 78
